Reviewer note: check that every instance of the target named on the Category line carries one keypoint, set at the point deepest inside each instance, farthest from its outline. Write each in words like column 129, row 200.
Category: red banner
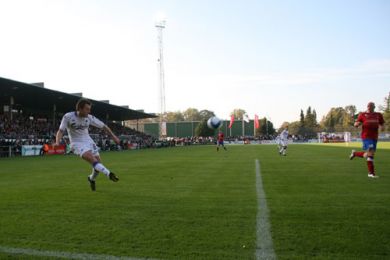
column 132, row 146
column 231, row 121
column 56, row 149
column 257, row 123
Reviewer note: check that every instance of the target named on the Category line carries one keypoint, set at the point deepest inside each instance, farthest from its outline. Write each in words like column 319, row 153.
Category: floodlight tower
column 160, row 25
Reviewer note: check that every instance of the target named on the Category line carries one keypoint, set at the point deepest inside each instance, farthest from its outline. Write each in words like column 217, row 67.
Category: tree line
column 338, row 119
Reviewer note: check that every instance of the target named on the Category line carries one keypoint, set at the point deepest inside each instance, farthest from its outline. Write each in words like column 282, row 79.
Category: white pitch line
column 67, row 255
column 264, row 246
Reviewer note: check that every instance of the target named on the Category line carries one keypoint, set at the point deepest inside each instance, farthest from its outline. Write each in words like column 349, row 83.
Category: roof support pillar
column 54, row 115
column 11, row 103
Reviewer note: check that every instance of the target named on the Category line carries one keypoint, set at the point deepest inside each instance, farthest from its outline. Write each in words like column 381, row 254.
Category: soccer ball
column 214, row 122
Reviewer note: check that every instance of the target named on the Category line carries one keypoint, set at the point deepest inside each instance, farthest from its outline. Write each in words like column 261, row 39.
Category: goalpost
column 336, row 137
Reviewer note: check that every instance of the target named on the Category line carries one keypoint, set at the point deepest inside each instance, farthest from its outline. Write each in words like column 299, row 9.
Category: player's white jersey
column 78, row 126
column 284, row 135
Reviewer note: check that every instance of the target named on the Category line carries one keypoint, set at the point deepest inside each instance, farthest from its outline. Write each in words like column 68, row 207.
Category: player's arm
column 59, row 136
column 99, row 124
column 359, row 121
column 113, row 136
column 382, row 123
column 61, row 130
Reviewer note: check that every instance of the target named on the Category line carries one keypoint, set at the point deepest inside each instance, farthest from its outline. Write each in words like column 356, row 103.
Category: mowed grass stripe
column 264, row 246
column 66, row 255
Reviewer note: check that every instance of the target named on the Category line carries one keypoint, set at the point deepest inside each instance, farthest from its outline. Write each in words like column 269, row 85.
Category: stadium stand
column 30, row 115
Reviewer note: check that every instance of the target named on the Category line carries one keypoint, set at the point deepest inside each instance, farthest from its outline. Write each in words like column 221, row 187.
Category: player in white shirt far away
column 283, row 141
column 77, row 123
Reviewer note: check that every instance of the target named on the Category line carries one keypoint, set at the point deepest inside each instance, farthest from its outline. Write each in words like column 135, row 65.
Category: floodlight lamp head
column 160, row 23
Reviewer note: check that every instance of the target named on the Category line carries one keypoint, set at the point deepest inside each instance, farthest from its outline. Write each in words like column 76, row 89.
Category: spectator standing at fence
column 44, row 150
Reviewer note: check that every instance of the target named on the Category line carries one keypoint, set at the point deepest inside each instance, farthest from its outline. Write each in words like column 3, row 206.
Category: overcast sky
column 270, row 57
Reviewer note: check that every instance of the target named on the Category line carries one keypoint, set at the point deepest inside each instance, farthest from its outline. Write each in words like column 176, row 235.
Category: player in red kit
column 221, row 137
column 370, row 122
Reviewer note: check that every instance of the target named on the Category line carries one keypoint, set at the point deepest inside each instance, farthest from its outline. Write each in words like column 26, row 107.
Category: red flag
column 257, row 124
column 231, row 121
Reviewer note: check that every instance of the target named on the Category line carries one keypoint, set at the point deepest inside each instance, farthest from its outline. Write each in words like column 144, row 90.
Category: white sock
column 100, row 168
column 94, row 174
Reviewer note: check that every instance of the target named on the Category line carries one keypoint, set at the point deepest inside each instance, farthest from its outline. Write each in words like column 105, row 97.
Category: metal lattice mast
column 160, row 25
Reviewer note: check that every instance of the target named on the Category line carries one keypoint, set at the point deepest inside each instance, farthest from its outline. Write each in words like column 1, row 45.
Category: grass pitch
column 195, row 203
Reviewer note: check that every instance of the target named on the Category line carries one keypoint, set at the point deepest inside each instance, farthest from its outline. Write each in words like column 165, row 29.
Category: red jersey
column 370, row 124
column 220, row 137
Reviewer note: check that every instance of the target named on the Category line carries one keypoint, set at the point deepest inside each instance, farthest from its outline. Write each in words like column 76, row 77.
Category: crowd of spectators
column 193, row 140
column 27, row 128
column 39, row 130
column 332, row 138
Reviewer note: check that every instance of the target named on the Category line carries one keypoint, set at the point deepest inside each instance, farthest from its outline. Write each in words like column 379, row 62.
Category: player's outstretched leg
column 224, row 147
column 98, row 166
column 352, row 155
column 370, row 166
column 356, row 154
column 101, row 168
column 284, row 150
column 113, row 177
column 92, row 178
column 92, row 184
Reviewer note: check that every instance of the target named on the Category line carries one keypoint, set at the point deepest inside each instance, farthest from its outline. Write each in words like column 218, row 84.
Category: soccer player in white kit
column 77, row 124
column 283, row 141
column 277, row 141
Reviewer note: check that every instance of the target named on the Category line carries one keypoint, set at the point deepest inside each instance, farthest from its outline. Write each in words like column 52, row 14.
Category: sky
column 268, row 57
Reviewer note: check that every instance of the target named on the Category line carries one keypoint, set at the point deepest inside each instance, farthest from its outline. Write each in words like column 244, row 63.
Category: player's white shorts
column 80, row 148
column 283, row 142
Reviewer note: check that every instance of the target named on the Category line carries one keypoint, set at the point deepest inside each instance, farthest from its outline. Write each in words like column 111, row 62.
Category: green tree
column 386, row 105
column 294, row 128
column 351, row 110
column 302, row 118
column 308, row 125
column 191, row 114
column 266, row 127
column 203, row 130
column 386, row 117
column 386, row 112
column 311, row 124
column 349, row 118
column 176, row 116
column 337, row 120
column 308, row 111
column 206, row 114
column 310, row 120
column 283, row 126
column 238, row 113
